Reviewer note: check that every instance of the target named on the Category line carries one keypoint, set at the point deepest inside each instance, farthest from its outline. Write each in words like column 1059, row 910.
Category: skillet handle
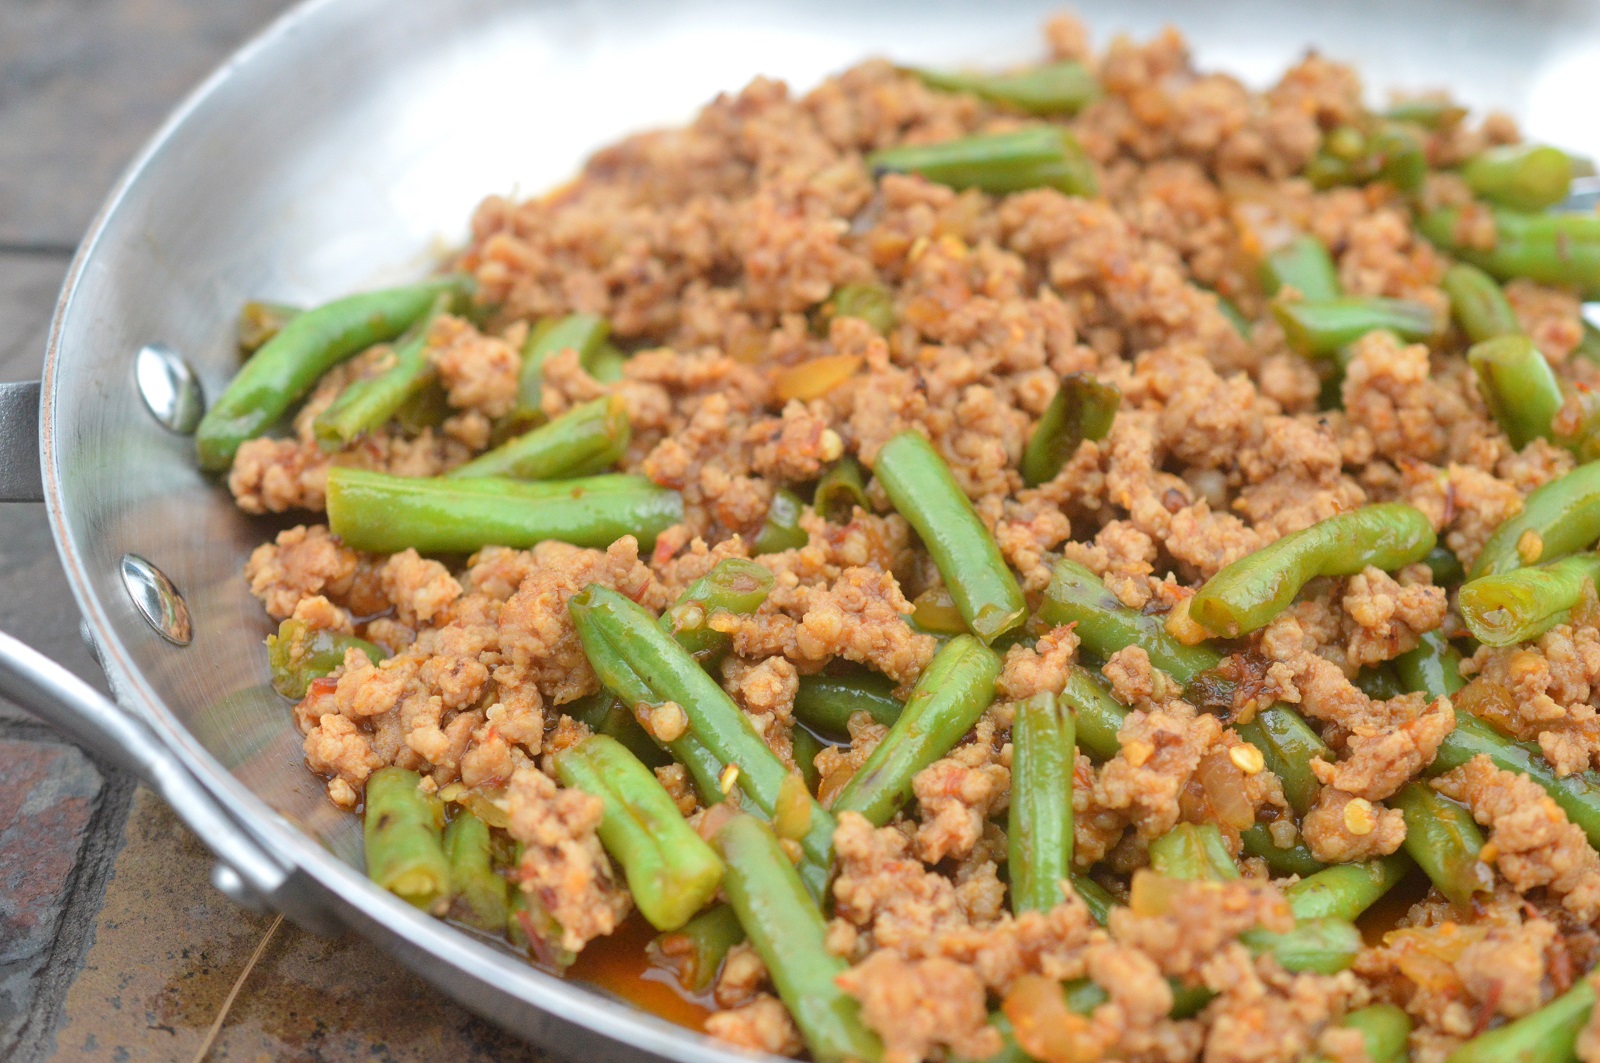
column 20, row 479
column 246, row 872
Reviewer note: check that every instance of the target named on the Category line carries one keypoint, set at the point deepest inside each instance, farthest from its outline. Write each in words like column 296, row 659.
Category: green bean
column 634, row 644
column 1429, row 113
column 827, row 702
column 1062, row 87
column 1288, row 745
column 734, row 585
column 1433, row 668
column 1557, row 519
column 1520, row 176
column 1323, row 328
column 604, row 713
column 1104, row 625
column 581, row 442
column 1480, row 307
column 841, row 491
column 1039, row 831
column 533, row 930
column 1384, row 1030
column 696, row 950
column 1323, row 946
column 920, row 486
column 1379, row 682
column 1389, row 153
column 781, row 530
column 1083, row 408
column 606, row 363
column 1518, row 386
column 672, row 873
column 1304, row 265
column 805, row 746
column 367, row 405
column 1038, row 157
column 1578, row 794
column 1344, row 891
column 300, row 653
column 287, row 367
column 1559, row 249
column 405, row 853
column 1230, row 310
column 1549, row 1035
column 1097, row 715
column 1247, row 594
column 872, row 303
column 1095, row 897
column 1193, row 853
column 954, row 690
column 385, row 514
column 1295, row 860
column 1589, row 345
column 428, row 408
column 1522, row 605
column 1444, row 566
column 584, row 333
column 788, row 933
column 482, row 896
column 1444, row 841
column 259, row 322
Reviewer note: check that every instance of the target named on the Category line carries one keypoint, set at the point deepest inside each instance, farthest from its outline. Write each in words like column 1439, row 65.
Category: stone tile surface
column 168, row 948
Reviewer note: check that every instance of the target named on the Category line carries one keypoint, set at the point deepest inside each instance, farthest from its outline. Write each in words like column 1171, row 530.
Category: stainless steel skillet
column 341, row 150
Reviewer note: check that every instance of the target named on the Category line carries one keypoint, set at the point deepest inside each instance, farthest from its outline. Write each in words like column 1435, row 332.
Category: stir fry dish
column 1085, row 562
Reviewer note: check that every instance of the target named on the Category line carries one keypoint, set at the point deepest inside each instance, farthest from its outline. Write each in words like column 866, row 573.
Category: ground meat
column 918, row 1005
column 955, row 797
column 308, row 561
column 1340, row 828
column 1534, row 844
column 1387, row 616
column 563, row 868
column 1160, row 750
column 479, row 373
column 762, row 1025
column 1543, row 692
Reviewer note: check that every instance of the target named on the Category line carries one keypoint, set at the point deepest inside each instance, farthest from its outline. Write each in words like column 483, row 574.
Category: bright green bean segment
column 1557, row 519
column 1323, row 328
column 1518, row 386
column 1479, row 306
column 584, row 333
column 482, row 895
column 1083, row 408
column 1443, row 839
column 1247, row 594
column 300, row 653
column 1040, row 826
column 1549, row 1035
column 1520, row 176
column 1062, row 87
column 1549, row 248
column 1522, row 605
column 585, row 440
column 405, row 850
column 827, row 702
column 997, row 163
column 367, row 405
column 1304, row 265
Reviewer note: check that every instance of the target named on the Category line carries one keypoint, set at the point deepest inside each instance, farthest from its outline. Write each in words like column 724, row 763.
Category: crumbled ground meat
column 713, row 252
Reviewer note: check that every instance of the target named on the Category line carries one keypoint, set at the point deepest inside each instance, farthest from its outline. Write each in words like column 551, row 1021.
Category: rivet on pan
column 157, row 600
column 169, row 387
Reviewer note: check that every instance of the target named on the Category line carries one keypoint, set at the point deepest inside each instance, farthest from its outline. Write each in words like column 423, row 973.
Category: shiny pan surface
column 345, row 148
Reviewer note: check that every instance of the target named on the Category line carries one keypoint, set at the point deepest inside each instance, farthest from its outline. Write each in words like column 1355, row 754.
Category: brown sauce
column 622, row 964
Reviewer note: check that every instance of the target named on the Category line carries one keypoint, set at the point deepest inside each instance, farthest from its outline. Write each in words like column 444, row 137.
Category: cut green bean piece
column 482, row 896
column 1247, row 594
column 1443, row 839
column 1098, row 716
column 405, row 850
column 386, row 514
column 871, row 303
column 1578, row 794
column 1549, row 1035
column 1323, row 328
column 672, row 873
column 1288, row 745
column 583, row 333
column 1095, row 896
column 1083, row 408
column 367, row 405
column 1444, row 566
column 286, row 368
column 581, row 442
column 633, row 650
column 788, row 933
column 1378, row 682
column 827, row 702
column 1195, row 853
column 1322, row 946
column 1385, row 1030
column 1520, row 176
column 604, row 713
column 1479, row 306
column 923, row 491
column 1062, row 87
column 300, row 653
column 1522, row 605
column 1295, row 860
column 1557, row 519
column 607, row 363
column 1230, row 310
column 1039, row 157
column 781, row 531
column 1304, row 265
column 805, row 747
column 1345, row 890
column 1039, row 830
column 841, row 491
column 259, row 322
column 1429, row 112
column 1104, row 625
column 954, row 690
column 1388, row 152
column 734, row 585
column 1433, row 668
column 1561, row 249
column 696, row 950
column 1518, row 385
